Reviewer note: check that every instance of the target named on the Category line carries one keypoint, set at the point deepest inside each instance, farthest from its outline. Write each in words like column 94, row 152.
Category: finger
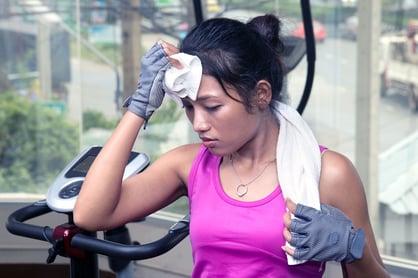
column 305, row 212
column 169, row 48
column 154, row 53
column 301, row 253
column 287, row 219
column 300, row 225
column 287, row 234
column 298, row 240
column 288, row 250
column 175, row 63
column 291, row 206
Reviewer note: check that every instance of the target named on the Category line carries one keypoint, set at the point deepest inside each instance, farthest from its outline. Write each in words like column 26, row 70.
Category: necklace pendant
column 241, row 190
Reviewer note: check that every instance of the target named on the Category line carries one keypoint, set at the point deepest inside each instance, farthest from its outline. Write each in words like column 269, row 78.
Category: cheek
column 237, row 127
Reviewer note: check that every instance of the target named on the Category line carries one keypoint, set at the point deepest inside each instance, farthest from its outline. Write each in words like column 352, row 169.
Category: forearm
column 101, row 189
column 367, row 266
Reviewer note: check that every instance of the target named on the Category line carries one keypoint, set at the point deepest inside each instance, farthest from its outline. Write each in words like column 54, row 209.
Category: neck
column 262, row 147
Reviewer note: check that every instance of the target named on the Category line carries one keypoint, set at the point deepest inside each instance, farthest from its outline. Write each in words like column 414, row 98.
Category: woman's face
column 222, row 123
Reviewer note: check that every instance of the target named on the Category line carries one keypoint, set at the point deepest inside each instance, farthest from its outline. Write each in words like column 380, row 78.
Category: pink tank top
column 231, row 238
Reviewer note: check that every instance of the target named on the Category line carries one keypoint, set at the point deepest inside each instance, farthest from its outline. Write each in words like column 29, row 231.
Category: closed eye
column 213, row 108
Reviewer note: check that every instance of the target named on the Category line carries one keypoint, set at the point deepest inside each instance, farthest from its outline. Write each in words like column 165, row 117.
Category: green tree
column 96, row 119
column 36, row 143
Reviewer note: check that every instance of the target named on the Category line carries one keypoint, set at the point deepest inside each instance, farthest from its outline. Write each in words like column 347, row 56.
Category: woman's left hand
column 321, row 235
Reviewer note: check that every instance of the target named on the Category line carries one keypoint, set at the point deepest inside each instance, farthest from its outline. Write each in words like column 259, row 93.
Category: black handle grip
column 15, row 225
column 134, row 252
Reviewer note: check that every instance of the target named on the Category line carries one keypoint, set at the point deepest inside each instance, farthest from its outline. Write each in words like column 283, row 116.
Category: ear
column 263, row 94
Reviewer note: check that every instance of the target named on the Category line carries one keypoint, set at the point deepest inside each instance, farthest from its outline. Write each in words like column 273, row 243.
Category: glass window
column 66, row 66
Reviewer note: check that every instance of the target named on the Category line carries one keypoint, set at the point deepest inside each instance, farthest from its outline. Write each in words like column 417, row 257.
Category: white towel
column 298, row 160
column 298, row 154
column 184, row 82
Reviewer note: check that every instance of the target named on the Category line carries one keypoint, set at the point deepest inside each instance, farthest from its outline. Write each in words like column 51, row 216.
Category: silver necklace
column 242, row 188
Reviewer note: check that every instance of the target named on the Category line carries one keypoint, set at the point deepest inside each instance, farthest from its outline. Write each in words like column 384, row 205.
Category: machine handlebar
column 15, row 225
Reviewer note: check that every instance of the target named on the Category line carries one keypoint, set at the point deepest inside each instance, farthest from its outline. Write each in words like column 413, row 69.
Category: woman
column 246, row 173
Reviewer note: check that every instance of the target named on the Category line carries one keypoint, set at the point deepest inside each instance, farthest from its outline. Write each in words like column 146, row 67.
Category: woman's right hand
column 149, row 94
column 105, row 200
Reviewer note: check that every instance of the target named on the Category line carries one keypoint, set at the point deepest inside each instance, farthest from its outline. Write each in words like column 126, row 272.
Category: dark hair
column 239, row 54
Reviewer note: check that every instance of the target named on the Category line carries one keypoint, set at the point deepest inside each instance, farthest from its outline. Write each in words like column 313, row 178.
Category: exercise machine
column 82, row 247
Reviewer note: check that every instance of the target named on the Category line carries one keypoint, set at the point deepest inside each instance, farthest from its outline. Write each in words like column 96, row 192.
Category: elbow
column 83, row 221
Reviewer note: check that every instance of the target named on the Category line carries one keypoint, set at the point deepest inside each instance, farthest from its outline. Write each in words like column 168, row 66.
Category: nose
column 199, row 122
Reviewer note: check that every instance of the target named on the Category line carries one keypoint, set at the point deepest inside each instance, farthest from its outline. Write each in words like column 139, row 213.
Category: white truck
column 399, row 67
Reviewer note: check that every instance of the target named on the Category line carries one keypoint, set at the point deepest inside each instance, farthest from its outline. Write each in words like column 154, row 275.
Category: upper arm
column 341, row 187
column 164, row 181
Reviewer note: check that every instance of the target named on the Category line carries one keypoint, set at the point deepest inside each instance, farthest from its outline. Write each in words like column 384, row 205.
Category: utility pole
column 367, row 103
column 131, row 46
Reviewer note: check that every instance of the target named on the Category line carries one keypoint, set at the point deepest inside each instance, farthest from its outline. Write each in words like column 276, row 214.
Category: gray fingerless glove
column 149, row 93
column 326, row 235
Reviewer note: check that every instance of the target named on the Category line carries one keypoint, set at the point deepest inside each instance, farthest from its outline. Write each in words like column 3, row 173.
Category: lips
column 208, row 142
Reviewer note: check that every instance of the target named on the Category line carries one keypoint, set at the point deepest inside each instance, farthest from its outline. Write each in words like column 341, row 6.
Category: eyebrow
column 203, row 98
column 199, row 99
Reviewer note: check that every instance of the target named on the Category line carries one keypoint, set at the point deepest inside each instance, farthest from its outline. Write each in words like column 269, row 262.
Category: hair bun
column 268, row 26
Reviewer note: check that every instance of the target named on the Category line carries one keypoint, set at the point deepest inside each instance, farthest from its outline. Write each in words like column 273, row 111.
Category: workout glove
column 149, row 93
column 325, row 235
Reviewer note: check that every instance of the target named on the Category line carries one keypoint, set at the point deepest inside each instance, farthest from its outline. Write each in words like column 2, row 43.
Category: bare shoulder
column 184, row 153
column 179, row 160
column 337, row 173
column 341, row 186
